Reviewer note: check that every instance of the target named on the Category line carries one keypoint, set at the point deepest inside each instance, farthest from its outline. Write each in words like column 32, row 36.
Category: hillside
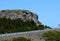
column 19, row 21
column 37, row 35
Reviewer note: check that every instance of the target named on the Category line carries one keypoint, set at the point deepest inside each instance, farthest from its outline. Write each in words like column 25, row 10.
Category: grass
column 52, row 36
column 9, row 11
column 19, row 39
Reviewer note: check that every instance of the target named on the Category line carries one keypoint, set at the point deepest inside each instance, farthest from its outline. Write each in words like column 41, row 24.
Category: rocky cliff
column 23, row 15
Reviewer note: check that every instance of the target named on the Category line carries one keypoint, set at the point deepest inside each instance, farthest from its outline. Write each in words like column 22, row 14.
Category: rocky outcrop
column 20, row 14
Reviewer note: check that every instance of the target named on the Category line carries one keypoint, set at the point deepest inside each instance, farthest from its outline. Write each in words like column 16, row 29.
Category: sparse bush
column 9, row 11
column 21, row 39
column 52, row 36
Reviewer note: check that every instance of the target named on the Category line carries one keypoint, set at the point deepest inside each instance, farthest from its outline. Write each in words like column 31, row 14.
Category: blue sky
column 47, row 10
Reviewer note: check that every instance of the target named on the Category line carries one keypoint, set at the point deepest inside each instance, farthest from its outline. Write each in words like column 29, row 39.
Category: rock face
column 20, row 14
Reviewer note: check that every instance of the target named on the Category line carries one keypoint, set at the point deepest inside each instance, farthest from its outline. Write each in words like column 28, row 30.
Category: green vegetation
column 52, row 36
column 9, row 11
column 21, row 39
column 17, row 25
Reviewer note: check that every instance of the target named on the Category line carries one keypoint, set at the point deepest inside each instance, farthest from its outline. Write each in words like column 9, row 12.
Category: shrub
column 20, row 39
column 52, row 36
column 9, row 11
